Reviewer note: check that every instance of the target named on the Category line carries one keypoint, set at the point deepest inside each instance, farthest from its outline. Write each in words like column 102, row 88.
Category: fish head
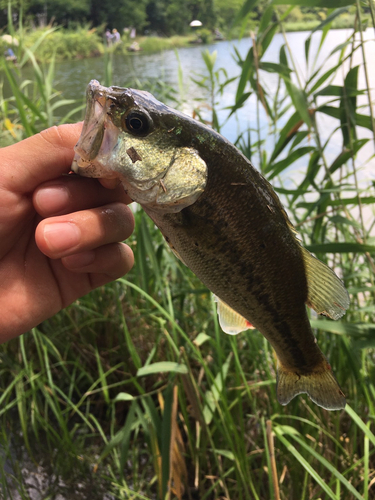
column 129, row 135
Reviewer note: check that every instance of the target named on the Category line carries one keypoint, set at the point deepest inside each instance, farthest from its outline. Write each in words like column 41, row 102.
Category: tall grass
column 34, row 103
column 134, row 391
column 65, row 44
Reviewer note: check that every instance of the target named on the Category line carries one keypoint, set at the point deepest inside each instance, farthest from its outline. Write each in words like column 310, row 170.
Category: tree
column 205, row 11
column 62, row 11
column 168, row 17
column 227, row 11
column 120, row 14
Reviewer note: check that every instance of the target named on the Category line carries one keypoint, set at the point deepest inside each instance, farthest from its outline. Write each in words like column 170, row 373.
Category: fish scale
column 224, row 221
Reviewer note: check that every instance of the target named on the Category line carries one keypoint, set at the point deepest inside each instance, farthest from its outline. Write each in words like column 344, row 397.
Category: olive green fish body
column 224, row 221
column 236, row 240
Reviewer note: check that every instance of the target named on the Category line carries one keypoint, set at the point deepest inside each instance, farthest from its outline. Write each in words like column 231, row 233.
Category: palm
column 36, row 279
column 32, row 282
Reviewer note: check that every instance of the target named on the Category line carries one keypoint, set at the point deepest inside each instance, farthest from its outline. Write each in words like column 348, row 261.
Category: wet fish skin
column 224, row 221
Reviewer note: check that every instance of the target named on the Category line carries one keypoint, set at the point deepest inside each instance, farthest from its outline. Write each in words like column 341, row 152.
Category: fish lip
column 92, row 87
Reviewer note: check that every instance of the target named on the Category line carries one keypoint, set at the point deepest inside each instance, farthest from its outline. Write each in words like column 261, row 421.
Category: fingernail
column 52, row 199
column 61, row 236
column 78, row 260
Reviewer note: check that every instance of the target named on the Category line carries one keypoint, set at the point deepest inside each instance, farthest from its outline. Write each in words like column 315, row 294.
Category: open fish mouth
column 93, row 127
column 94, row 139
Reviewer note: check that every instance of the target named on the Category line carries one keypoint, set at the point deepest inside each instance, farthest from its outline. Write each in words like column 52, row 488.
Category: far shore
column 55, row 43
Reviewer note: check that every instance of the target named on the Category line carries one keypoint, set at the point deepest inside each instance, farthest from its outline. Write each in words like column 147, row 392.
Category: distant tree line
column 166, row 17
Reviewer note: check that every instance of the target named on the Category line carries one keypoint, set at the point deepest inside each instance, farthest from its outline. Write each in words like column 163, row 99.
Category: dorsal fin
column 326, row 292
column 230, row 321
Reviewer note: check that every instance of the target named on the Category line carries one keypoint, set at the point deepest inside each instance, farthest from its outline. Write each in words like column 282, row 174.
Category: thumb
column 39, row 158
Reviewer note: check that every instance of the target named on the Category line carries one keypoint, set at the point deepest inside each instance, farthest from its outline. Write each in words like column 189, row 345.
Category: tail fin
column 320, row 386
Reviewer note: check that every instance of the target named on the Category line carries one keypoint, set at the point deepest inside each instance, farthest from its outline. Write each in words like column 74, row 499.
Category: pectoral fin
column 326, row 292
column 230, row 321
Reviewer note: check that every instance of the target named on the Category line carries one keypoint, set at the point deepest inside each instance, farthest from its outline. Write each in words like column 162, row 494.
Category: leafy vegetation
column 161, row 17
column 134, row 391
column 165, row 16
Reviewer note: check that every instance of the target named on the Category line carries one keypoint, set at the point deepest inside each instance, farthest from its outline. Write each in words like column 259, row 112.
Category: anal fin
column 230, row 321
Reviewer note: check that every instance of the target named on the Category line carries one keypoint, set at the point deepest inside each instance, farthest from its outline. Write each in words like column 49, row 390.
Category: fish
column 224, row 221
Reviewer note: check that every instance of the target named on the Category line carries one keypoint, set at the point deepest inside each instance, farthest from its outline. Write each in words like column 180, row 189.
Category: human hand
column 59, row 235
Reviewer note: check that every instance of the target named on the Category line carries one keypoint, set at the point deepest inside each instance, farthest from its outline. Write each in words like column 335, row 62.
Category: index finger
column 39, row 158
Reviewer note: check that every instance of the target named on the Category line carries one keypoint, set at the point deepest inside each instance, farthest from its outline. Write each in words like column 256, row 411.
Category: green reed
column 135, row 391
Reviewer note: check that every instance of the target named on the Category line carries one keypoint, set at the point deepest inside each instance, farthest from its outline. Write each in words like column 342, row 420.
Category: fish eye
column 137, row 123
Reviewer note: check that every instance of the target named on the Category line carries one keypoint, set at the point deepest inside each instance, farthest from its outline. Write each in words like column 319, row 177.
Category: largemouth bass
column 224, row 221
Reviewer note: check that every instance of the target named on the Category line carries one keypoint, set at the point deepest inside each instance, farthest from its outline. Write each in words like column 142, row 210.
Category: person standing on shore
column 116, row 36
column 108, row 37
